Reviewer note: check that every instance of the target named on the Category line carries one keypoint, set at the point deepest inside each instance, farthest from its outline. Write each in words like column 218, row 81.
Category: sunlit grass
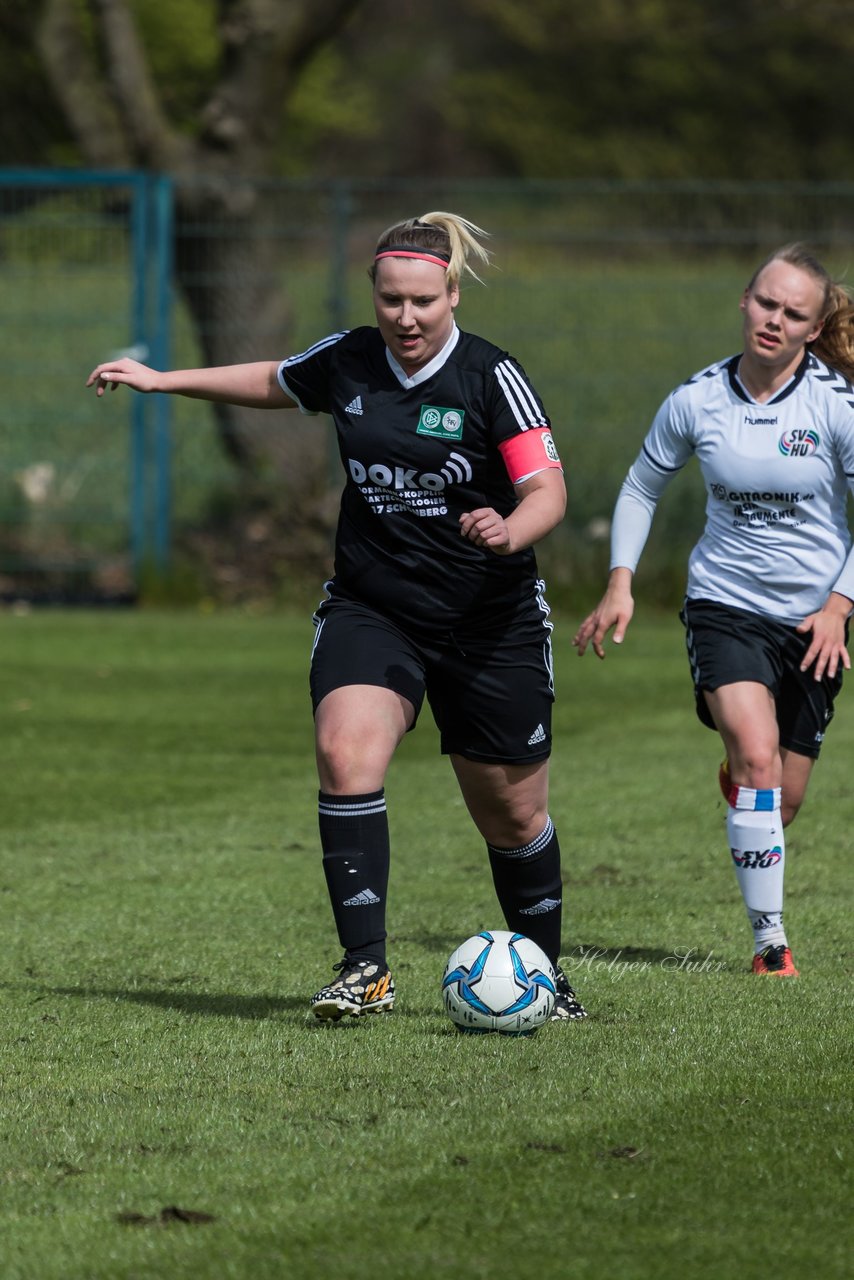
column 165, row 920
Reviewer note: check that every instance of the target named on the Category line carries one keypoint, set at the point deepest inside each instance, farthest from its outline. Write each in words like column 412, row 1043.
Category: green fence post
column 138, row 452
column 162, row 208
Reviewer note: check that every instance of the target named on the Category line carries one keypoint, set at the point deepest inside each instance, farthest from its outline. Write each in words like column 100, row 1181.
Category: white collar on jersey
column 779, row 394
column 429, row 369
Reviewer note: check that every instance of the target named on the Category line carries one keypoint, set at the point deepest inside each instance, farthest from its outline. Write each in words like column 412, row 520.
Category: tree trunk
column 226, row 271
column 101, row 74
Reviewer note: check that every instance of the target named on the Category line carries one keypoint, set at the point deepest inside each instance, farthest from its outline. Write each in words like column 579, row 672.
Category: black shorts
column 726, row 645
column 491, row 695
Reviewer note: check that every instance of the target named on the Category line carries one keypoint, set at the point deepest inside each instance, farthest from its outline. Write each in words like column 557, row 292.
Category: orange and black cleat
column 777, row 961
column 362, row 986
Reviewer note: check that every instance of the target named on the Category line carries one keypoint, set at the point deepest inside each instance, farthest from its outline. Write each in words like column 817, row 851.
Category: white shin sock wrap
column 758, row 849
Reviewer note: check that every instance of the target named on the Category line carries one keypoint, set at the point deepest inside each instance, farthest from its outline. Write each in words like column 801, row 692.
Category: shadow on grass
column 208, row 1005
column 595, row 951
column 262, row 1007
column 205, row 1004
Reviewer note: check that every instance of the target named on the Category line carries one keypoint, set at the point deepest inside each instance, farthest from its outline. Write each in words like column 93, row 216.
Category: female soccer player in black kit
column 451, row 477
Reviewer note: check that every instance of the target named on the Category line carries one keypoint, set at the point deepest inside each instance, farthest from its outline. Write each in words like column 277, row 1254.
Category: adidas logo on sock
column 355, row 406
column 540, row 908
column 539, row 735
column 364, row 899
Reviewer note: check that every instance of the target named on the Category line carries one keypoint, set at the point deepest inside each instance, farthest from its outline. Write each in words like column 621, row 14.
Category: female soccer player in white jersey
column 771, row 581
column 451, row 476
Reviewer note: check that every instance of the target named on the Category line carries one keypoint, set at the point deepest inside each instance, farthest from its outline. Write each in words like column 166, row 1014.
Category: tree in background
column 659, row 89
column 200, row 93
column 565, row 89
column 717, row 89
column 221, row 93
column 225, row 94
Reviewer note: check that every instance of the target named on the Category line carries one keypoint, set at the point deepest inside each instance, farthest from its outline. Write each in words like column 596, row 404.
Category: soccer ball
column 499, row 981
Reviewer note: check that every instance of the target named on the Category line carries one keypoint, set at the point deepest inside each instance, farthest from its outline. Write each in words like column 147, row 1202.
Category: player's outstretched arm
column 254, row 386
column 615, row 610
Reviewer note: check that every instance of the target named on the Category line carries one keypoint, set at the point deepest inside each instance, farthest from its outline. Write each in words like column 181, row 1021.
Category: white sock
column 755, row 831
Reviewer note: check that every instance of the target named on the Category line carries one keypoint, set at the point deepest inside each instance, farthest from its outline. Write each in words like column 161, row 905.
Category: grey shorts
column 726, row 645
column 491, row 695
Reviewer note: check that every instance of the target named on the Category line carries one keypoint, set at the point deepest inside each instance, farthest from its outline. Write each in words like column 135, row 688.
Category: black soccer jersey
column 417, row 453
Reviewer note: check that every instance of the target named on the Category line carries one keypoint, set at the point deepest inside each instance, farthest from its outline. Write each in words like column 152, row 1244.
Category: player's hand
column 827, row 649
column 124, row 372
column 615, row 610
column 486, row 528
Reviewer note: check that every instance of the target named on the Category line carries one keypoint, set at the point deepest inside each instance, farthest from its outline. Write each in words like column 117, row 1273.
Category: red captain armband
column 529, row 452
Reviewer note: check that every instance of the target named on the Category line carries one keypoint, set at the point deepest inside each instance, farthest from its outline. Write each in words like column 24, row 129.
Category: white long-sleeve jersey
column 777, row 476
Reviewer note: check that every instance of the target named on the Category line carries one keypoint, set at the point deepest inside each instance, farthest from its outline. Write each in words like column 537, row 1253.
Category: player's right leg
column 745, row 715
column 357, row 729
column 737, row 663
column 359, row 722
column 797, row 770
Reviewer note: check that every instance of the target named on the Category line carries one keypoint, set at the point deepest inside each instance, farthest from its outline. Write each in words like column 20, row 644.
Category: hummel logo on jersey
column 539, row 735
column 366, row 898
column 355, row 406
column 540, row 908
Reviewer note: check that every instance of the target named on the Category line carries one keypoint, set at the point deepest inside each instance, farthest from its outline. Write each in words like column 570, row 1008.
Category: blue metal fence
column 609, row 293
column 85, row 265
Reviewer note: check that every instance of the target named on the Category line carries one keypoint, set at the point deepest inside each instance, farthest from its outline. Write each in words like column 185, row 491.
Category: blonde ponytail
column 835, row 343
column 451, row 238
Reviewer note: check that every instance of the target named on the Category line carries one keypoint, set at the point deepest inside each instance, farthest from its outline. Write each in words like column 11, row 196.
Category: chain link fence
column 609, row 294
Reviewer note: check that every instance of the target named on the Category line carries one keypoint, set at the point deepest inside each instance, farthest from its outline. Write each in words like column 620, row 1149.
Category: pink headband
column 412, row 253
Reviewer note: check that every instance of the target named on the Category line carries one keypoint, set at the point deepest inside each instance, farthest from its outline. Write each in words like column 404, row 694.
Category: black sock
column 354, row 840
column 528, row 884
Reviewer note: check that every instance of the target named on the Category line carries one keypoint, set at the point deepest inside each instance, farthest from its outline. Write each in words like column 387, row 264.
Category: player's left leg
column 492, row 697
column 797, row 771
column 509, row 806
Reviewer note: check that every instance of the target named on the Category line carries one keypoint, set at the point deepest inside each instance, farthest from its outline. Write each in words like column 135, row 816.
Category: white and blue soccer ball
column 498, row 981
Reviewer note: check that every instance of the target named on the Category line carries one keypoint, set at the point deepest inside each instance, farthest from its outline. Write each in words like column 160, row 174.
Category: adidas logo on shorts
column 355, row 406
column 364, row 899
column 538, row 736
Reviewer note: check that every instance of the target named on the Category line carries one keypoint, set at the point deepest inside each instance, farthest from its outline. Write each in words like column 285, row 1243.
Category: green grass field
column 170, row 1111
